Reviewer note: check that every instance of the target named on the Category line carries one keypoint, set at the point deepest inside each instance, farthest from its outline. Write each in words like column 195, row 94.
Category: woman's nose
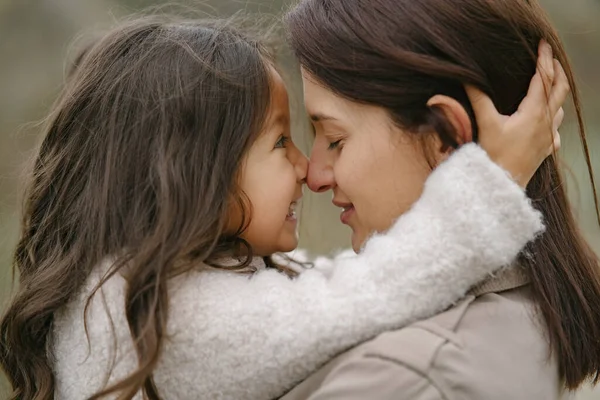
column 320, row 172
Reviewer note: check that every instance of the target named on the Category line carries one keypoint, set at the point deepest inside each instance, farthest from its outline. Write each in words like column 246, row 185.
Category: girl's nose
column 301, row 167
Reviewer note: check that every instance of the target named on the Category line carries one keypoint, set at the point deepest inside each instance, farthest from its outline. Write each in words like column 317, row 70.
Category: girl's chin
column 290, row 244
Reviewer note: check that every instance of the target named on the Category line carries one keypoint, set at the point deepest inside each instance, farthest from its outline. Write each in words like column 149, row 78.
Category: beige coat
column 488, row 347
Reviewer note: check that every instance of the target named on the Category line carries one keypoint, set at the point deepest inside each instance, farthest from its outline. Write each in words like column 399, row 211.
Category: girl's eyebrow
column 276, row 123
column 280, row 120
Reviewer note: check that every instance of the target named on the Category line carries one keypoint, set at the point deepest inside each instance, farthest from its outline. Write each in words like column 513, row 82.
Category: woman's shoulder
column 489, row 345
column 472, row 331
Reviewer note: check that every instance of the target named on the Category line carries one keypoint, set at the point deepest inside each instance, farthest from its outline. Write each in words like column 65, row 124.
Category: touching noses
column 300, row 163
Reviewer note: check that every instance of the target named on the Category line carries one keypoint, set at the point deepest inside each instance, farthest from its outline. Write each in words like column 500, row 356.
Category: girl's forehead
column 278, row 88
column 279, row 109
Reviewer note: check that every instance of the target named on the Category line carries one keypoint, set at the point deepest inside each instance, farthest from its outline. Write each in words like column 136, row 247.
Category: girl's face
column 272, row 177
column 375, row 170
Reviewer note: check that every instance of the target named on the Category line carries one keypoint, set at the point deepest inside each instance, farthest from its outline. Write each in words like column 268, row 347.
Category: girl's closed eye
column 282, row 142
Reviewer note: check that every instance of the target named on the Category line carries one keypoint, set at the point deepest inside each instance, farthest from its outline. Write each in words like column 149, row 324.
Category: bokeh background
column 37, row 36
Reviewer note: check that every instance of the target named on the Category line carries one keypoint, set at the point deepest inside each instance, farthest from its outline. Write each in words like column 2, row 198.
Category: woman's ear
column 456, row 115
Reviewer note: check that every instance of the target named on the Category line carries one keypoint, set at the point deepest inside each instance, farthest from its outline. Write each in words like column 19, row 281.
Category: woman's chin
column 357, row 241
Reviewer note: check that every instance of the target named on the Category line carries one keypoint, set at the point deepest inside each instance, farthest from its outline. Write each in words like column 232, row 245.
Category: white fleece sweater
column 237, row 337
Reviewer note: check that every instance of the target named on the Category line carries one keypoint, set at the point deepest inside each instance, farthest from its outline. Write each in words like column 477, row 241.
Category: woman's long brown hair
column 398, row 53
column 140, row 161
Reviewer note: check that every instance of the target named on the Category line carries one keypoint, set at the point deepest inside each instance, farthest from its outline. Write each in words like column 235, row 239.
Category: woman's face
column 375, row 170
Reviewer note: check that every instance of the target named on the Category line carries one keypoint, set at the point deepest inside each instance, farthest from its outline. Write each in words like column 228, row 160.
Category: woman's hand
column 519, row 143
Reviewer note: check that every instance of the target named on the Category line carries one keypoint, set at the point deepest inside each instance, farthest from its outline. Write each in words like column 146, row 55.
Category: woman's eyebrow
column 319, row 117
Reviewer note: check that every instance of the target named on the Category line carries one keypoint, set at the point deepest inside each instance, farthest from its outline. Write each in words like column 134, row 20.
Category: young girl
column 166, row 180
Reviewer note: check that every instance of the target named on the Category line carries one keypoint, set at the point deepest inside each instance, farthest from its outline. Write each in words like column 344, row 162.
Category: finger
column 556, row 143
column 545, row 64
column 483, row 107
column 560, row 88
column 541, row 83
column 558, row 119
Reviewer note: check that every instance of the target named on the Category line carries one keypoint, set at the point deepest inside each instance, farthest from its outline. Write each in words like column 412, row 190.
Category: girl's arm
column 254, row 338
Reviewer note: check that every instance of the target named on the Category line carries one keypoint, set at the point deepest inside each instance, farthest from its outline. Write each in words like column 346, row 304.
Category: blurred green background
column 36, row 38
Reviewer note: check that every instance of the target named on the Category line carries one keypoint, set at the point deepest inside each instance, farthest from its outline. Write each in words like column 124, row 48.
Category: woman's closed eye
column 282, row 142
column 335, row 145
column 336, row 140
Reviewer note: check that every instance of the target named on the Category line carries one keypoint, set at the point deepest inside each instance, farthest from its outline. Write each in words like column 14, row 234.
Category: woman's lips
column 347, row 214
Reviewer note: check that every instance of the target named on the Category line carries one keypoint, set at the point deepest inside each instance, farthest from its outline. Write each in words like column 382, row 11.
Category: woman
column 383, row 85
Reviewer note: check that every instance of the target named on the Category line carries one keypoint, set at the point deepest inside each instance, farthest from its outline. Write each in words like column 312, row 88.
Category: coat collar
column 507, row 279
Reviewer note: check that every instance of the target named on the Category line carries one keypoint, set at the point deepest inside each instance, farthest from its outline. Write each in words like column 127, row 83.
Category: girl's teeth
column 292, row 210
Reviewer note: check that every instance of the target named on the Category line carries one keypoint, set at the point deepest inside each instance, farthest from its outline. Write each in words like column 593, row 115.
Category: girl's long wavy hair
column 397, row 54
column 140, row 161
